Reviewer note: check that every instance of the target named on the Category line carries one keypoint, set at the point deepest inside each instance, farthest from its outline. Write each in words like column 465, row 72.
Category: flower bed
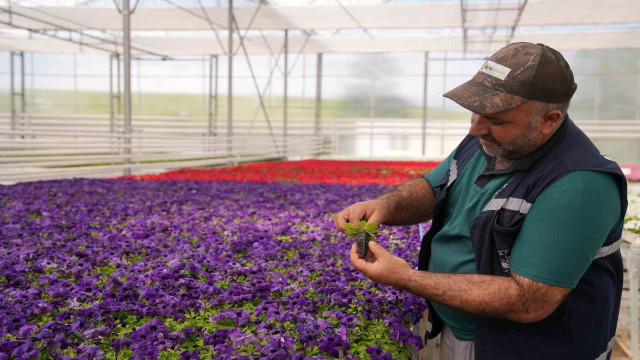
column 187, row 270
column 308, row 171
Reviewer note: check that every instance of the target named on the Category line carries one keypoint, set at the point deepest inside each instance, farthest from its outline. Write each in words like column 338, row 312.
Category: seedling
column 362, row 235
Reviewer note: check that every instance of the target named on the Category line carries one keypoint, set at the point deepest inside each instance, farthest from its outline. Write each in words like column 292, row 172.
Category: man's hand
column 381, row 266
column 375, row 211
column 410, row 203
column 514, row 297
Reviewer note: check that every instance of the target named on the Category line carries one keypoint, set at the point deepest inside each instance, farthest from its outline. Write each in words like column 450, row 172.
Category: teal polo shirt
column 562, row 233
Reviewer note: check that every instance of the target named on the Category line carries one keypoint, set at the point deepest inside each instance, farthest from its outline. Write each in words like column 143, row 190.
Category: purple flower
column 88, row 260
column 119, row 344
column 334, row 345
column 377, row 353
column 91, row 352
column 25, row 350
column 96, row 333
column 26, row 331
column 186, row 355
column 240, row 339
column 273, row 350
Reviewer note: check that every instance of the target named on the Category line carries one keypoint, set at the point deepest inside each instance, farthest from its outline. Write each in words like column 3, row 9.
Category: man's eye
column 497, row 122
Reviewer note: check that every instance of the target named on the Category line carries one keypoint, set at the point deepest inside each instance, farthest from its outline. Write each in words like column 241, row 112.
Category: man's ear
column 550, row 121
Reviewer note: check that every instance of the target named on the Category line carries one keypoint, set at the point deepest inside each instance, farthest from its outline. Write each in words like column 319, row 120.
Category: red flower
column 307, row 171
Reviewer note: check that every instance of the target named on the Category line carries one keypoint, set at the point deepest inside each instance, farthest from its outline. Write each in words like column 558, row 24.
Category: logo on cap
column 495, row 70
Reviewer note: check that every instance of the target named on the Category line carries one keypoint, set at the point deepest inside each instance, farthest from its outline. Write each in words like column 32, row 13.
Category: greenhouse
column 186, row 179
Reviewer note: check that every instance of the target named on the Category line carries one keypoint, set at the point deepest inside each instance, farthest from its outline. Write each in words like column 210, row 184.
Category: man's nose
column 479, row 125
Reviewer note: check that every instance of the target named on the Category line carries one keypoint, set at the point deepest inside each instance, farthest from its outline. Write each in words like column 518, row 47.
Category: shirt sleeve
column 565, row 228
column 439, row 171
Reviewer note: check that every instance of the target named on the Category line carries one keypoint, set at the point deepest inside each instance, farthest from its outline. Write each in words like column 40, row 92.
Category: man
column 522, row 260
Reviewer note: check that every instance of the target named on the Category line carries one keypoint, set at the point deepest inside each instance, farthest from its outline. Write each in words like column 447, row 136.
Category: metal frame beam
column 115, row 97
column 425, row 101
column 285, row 109
column 230, row 83
column 517, row 21
column 463, row 21
column 271, row 54
column 12, row 103
column 212, row 113
column 82, row 34
column 12, row 89
column 246, row 31
column 23, row 98
column 126, row 24
column 204, row 17
column 463, row 15
column 372, row 100
column 262, row 93
column 318, row 94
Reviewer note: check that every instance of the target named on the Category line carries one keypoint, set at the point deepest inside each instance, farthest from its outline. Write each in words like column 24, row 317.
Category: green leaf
column 363, row 224
column 372, row 226
column 350, row 226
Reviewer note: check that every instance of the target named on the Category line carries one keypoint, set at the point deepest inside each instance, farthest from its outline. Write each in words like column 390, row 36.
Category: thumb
column 377, row 249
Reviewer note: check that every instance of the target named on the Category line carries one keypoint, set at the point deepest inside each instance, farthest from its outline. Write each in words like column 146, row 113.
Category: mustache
column 489, row 138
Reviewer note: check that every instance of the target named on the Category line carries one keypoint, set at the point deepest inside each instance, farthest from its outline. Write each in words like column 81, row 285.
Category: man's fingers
column 376, row 217
column 340, row 219
column 356, row 214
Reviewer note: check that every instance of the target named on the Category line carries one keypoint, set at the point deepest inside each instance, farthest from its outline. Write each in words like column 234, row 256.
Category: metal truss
column 205, row 17
column 80, row 34
column 13, row 93
column 489, row 38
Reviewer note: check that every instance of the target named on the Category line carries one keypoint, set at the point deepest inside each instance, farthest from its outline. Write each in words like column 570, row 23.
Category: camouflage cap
column 515, row 74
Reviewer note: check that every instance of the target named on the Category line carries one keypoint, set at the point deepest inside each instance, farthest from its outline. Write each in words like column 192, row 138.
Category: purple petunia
column 334, row 345
column 227, row 269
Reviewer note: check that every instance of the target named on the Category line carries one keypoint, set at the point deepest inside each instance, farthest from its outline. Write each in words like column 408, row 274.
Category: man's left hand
column 381, row 266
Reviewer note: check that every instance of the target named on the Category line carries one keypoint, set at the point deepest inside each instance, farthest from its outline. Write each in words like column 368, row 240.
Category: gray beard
column 518, row 147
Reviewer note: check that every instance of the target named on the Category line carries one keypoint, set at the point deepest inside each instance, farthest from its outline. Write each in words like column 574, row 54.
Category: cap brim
column 481, row 99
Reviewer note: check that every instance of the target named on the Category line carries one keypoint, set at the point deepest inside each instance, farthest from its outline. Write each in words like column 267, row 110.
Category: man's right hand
column 372, row 211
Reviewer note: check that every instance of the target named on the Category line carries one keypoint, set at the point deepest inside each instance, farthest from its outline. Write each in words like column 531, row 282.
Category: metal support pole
column 111, row 109
column 209, row 99
column 215, row 104
column 75, row 83
column 424, row 103
column 596, row 103
column 444, row 87
column 372, row 101
column 118, row 84
column 12, row 92
column 318, row 94
column 23, row 99
column 286, row 97
column 31, row 79
column 230, row 83
column 126, row 20
column 634, row 258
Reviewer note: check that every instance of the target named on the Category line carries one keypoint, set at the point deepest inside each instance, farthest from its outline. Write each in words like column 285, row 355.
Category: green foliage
column 364, row 227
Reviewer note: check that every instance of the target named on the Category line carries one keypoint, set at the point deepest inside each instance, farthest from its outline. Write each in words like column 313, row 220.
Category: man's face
column 508, row 134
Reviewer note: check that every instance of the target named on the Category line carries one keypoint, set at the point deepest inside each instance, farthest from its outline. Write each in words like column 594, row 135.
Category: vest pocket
column 504, row 235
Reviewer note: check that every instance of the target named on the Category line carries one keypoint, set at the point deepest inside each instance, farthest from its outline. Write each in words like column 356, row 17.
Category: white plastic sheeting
column 337, row 44
column 384, row 16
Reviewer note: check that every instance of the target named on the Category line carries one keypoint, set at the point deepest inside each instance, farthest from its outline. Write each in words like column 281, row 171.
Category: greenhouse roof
column 398, row 27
